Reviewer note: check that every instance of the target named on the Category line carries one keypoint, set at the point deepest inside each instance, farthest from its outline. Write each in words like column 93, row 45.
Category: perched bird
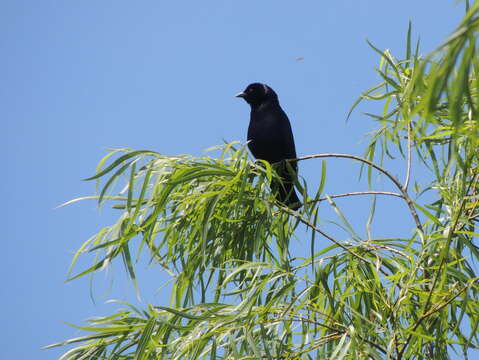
column 271, row 138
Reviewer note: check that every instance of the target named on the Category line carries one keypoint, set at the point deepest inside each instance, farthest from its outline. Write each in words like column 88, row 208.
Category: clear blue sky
column 82, row 76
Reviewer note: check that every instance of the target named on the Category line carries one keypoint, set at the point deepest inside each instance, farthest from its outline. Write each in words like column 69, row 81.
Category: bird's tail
column 284, row 189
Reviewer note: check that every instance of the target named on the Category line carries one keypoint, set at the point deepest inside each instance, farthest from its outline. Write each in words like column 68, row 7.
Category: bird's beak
column 240, row 95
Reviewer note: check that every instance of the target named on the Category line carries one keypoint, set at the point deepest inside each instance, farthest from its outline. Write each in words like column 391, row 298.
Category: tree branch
column 427, row 314
column 409, row 156
column 301, row 318
column 355, row 193
column 391, row 177
column 329, row 237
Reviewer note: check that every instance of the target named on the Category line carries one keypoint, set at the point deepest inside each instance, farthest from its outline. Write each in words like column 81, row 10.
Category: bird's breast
column 264, row 136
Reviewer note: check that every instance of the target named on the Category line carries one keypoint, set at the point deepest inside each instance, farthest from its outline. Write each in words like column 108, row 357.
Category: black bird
column 271, row 138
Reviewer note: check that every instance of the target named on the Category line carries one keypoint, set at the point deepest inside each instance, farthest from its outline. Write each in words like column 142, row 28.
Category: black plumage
column 271, row 138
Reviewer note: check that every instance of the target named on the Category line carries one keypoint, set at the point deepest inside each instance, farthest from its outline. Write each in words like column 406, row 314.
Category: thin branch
column 391, row 177
column 329, row 237
column 427, row 314
column 409, row 156
column 301, row 318
column 355, row 193
column 388, row 248
column 354, row 157
column 335, row 331
column 440, row 307
column 438, row 272
column 315, row 228
column 449, row 239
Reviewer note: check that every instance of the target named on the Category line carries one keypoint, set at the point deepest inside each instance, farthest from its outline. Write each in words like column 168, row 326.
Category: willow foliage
column 239, row 293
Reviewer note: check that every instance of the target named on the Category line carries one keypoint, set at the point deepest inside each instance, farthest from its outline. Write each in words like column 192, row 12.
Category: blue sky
column 79, row 77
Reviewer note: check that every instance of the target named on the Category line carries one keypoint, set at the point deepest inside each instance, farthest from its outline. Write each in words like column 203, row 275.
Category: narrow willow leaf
column 142, row 349
column 112, row 179
column 120, row 160
column 343, row 219
column 428, row 214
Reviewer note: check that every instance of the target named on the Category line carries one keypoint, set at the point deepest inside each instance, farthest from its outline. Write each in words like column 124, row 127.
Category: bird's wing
column 287, row 139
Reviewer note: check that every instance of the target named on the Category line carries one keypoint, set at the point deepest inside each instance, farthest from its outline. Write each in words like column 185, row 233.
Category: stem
column 301, row 318
column 354, row 193
column 391, row 177
column 329, row 237
column 443, row 255
column 409, row 156
column 315, row 228
column 427, row 314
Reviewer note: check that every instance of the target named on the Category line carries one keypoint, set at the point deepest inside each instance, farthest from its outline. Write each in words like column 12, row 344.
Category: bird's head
column 257, row 94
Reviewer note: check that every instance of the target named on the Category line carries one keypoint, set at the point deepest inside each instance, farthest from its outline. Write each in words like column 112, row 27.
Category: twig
column 391, row 177
column 438, row 272
column 427, row 314
column 301, row 318
column 409, row 156
column 453, row 229
column 354, row 193
column 440, row 307
column 388, row 248
column 336, row 332
column 329, row 237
